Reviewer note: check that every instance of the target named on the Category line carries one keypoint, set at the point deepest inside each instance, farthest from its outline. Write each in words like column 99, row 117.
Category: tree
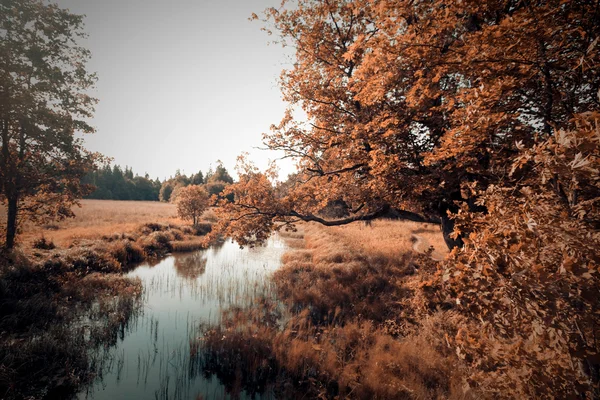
column 409, row 101
column 43, row 102
column 197, row 179
column 165, row 192
column 192, row 201
column 220, row 174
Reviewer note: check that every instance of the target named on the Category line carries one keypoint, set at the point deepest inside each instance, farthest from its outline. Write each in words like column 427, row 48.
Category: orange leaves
column 192, row 201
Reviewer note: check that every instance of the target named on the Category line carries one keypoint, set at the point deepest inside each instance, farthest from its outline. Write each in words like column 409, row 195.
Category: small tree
column 43, row 102
column 192, row 201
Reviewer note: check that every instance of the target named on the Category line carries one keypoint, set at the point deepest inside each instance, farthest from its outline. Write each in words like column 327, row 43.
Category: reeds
column 348, row 322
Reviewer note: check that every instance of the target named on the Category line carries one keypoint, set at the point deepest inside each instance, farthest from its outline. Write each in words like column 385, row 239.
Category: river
column 151, row 359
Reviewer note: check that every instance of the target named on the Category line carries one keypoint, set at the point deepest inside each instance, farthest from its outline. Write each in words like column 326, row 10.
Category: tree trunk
column 11, row 222
column 447, row 229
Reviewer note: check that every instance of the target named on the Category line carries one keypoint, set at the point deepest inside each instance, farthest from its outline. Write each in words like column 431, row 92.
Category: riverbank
column 62, row 294
column 357, row 322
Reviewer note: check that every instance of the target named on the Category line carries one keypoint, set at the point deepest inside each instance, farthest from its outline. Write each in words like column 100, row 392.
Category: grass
column 352, row 322
column 51, row 317
column 128, row 232
column 389, row 240
column 98, row 218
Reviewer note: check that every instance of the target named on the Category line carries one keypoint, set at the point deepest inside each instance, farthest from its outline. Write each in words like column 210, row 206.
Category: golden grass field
column 97, row 218
column 392, row 239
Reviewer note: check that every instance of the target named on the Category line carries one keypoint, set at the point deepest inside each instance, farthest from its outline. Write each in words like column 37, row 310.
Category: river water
column 151, row 359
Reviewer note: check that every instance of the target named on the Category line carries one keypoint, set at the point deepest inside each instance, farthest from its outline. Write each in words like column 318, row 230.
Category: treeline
column 215, row 182
column 116, row 183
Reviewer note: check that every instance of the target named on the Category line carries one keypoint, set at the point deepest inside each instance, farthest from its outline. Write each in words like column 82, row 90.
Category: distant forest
column 116, row 183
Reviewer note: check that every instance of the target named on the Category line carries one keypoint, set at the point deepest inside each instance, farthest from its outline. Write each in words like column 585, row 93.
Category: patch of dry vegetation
column 115, row 234
column 391, row 239
column 98, row 218
column 356, row 324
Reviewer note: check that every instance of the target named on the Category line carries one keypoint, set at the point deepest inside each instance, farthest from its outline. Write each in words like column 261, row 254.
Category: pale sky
column 181, row 83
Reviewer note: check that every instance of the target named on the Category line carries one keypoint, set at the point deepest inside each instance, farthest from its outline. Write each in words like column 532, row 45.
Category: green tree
column 197, row 179
column 220, row 174
column 43, row 102
column 165, row 191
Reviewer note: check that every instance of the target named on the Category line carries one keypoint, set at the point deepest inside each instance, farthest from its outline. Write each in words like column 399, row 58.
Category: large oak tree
column 43, row 102
column 407, row 102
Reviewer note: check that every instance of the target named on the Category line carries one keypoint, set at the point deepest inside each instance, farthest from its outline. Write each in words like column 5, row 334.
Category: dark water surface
column 151, row 359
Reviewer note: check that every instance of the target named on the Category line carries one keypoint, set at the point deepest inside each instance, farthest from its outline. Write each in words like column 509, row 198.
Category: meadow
column 97, row 218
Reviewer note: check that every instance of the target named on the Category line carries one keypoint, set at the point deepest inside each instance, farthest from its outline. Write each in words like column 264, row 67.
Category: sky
column 181, row 83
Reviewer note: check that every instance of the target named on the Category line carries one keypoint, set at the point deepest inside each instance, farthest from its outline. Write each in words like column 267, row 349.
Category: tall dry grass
column 388, row 239
column 97, row 218
column 353, row 322
column 44, row 346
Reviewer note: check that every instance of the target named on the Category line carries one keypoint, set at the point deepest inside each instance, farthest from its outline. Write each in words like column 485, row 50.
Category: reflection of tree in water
column 217, row 246
column 190, row 266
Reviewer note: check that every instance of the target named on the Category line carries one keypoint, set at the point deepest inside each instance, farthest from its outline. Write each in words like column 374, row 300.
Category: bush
column 43, row 244
column 128, row 252
column 202, row 228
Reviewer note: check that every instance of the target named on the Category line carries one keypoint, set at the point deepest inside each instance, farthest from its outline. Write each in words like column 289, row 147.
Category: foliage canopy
column 191, row 202
column 43, row 102
column 481, row 114
column 408, row 101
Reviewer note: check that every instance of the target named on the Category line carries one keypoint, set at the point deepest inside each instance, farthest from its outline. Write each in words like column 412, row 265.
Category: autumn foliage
column 483, row 115
column 529, row 275
column 191, row 202
column 408, row 101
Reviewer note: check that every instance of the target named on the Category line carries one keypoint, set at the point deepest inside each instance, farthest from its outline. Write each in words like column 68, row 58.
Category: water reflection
column 152, row 357
column 190, row 266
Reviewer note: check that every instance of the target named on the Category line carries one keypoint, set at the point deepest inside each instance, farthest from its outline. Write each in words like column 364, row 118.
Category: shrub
column 43, row 244
column 127, row 252
column 210, row 216
column 202, row 228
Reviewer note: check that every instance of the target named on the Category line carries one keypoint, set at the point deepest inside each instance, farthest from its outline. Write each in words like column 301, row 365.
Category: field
column 393, row 239
column 100, row 218
column 97, row 218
